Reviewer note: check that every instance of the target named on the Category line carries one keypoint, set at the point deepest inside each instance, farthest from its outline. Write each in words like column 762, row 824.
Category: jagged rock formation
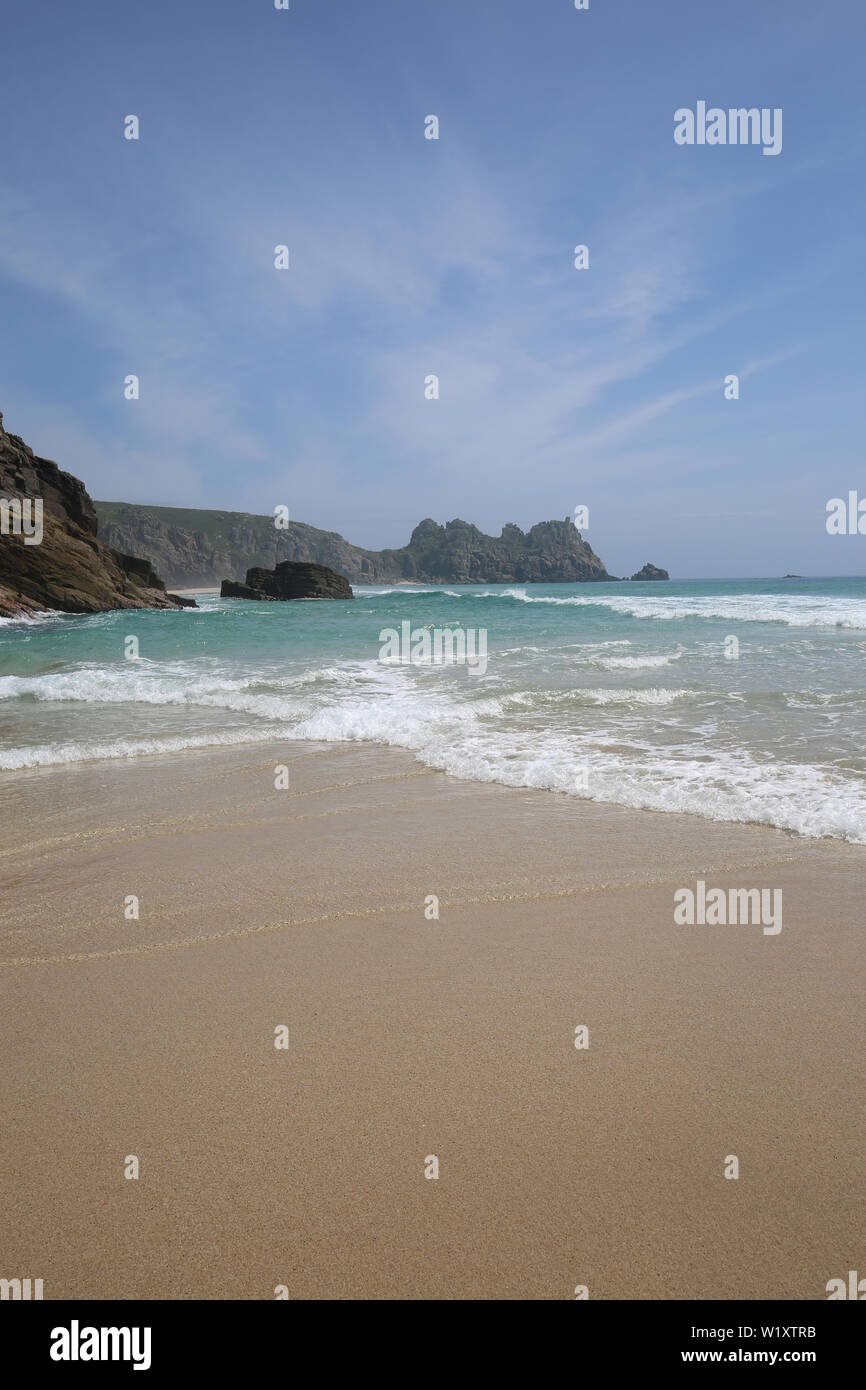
column 651, row 572
column 199, row 548
column 289, row 580
column 67, row 568
column 551, row 552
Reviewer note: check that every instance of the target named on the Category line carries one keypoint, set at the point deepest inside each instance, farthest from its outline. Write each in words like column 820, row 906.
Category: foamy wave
column 370, row 591
column 794, row 610
column 617, row 695
column 589, row 741
column 49, row 615
column 148, row 684
column 91, row 750
column 636, row 663
column 721, row 785
column 653, row 696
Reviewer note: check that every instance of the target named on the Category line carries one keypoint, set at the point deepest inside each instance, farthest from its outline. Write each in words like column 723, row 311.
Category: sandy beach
column 411, row 1037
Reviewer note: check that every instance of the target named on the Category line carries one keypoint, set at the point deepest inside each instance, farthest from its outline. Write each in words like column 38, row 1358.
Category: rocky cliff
column 551, row 552
column 290, row 579
column 201, row 548
column 50, row 557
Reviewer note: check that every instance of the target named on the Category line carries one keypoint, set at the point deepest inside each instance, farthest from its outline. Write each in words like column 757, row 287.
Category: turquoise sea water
column 617, row 692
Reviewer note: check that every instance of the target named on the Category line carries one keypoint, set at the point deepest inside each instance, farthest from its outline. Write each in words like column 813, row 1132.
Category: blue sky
column 409, row 256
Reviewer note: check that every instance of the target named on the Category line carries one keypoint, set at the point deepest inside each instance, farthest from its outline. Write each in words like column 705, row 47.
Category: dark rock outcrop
column 67, row 568
column 198, row 548
column 289, row 580
column 651, row 572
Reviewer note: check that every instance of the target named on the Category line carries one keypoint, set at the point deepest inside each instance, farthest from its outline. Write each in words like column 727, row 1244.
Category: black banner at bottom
column 155, row 1338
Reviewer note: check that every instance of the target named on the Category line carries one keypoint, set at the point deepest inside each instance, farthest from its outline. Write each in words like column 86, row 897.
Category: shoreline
column 411, row 1037
column 248, row 747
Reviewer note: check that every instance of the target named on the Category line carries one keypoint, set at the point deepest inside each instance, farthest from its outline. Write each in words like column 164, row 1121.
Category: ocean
column 738, row 700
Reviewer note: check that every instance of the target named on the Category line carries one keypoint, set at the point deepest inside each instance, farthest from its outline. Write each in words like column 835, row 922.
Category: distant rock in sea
column 792, row 576
column 290, row 580
column 50, row 557
column 651, row 572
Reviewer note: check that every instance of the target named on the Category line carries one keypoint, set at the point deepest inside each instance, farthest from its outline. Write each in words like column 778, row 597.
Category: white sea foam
column 50, row 615
column 89, row 750
column 626, row 696
column 369, row 591
column 637, row 663
column 720, row 784
column 795, row 610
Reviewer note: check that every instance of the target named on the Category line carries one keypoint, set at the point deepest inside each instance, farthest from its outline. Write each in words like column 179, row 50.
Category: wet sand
column 411, row 1037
